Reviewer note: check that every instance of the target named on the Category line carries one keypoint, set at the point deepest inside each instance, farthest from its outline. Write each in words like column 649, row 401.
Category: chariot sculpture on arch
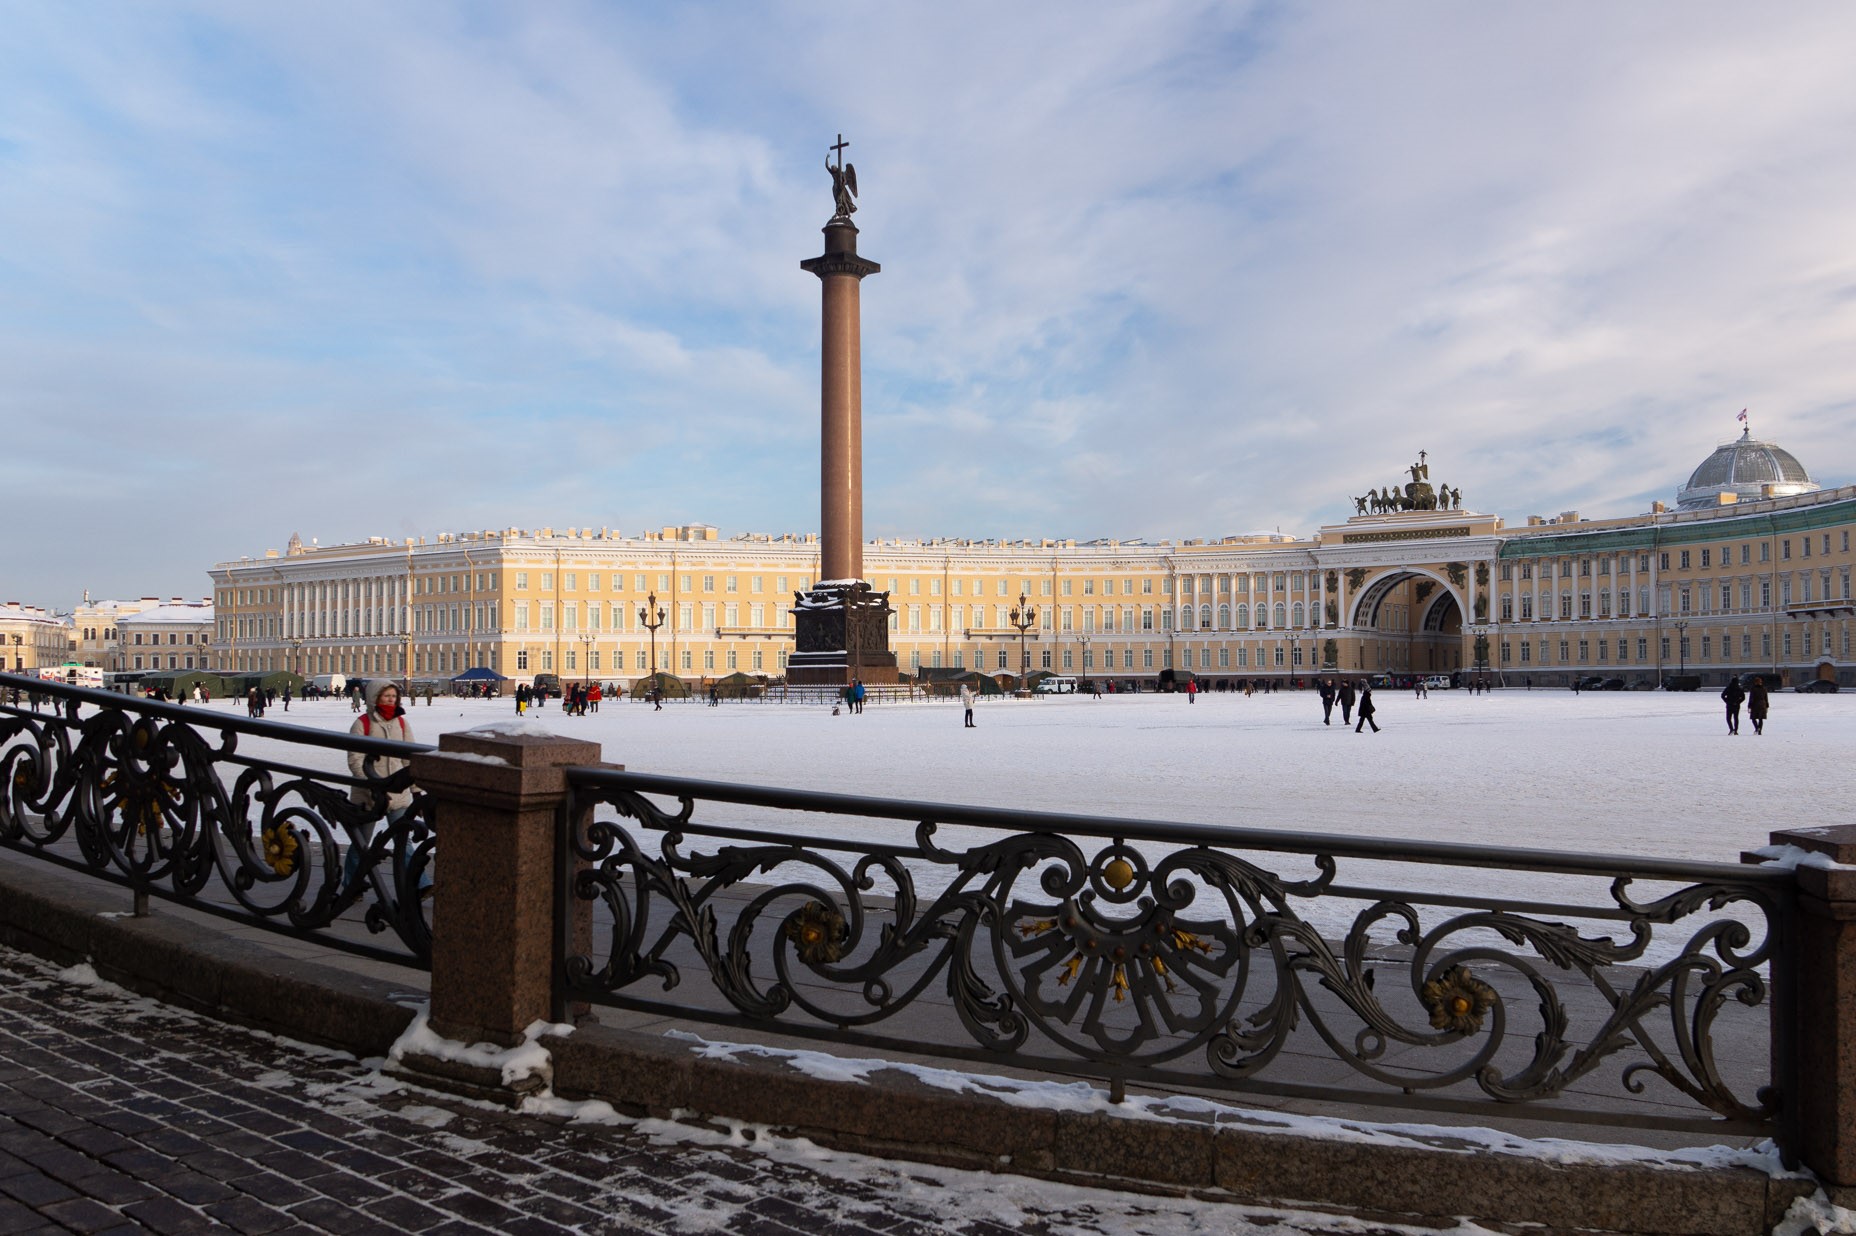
column 1418, row 495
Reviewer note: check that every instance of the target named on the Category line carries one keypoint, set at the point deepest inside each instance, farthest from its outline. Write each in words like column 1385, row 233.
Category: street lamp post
column 587, row 639
column 1024, row 616
column 651, row 617
column 1682, row 647
column 1086, row 666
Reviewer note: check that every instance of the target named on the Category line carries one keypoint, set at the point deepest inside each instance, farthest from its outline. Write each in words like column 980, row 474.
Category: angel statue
column 1361, row 503
column 843, row 188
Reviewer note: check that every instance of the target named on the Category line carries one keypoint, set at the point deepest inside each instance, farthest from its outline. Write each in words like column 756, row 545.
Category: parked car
column 1612, row 684
column 1592, row 682
column 1821, row 686
column 1438, row 682
column 1642, row 684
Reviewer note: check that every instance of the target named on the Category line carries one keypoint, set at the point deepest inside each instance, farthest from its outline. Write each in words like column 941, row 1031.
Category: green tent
column 179, row 684
column 672, row 686
column 275, row 680
column 738, row 686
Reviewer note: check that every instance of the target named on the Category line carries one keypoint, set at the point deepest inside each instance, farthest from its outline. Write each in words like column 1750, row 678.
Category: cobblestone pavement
column 118, row 1114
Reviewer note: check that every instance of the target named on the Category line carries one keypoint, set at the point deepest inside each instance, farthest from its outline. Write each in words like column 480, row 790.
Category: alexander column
column 841, row 626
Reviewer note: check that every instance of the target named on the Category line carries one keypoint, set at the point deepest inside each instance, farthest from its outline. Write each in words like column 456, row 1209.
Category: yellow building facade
column 1749, row 584
column 32, row 638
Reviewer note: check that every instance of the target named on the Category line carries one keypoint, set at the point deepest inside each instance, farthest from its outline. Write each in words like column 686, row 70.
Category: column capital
column 830, row 264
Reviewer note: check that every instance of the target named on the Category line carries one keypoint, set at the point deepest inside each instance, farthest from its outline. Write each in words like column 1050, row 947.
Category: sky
column 1157, row 270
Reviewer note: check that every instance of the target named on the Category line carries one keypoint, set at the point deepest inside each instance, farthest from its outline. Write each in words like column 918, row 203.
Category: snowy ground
column 1646, row 773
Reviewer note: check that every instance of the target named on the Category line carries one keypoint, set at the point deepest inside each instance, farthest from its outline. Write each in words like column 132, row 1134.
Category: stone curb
column 893, row 1114
column 66, row 921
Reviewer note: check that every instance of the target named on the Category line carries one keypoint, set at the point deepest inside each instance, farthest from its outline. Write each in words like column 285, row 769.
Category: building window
column 521, row 658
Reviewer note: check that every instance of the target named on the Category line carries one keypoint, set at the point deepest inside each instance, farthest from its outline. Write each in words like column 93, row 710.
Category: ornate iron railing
column 158, row 798
column 1174, row 954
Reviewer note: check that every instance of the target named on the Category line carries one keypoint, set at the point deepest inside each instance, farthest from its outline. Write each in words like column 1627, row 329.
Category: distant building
column 1755, row 582
column 176, row 635
column 31, row 637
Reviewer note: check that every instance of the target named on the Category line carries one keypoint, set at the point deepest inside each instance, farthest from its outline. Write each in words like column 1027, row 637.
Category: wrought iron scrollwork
column 1157, row 954
column 149, row 799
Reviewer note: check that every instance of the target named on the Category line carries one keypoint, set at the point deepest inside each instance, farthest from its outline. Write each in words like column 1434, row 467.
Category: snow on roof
column 172, row 613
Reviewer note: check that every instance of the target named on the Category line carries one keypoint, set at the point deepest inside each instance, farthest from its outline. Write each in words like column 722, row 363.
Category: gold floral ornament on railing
column 818, row 933
column 1152, row 953
column 280, row 849
column 1457, row 1000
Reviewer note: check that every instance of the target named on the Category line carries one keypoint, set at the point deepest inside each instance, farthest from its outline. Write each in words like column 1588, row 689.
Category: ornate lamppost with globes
column 651, row 617
column 587, row 639
column 1023, row 617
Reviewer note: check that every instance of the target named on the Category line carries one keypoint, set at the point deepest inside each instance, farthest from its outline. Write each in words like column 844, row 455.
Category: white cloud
column 1148, row 270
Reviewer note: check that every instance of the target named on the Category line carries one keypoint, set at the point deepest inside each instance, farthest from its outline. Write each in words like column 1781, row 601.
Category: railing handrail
column 1239, row 837
column 195, row 716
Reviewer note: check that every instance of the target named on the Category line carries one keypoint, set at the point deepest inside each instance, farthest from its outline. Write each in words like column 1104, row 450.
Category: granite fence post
column 497, row 797
column 1814, row 1013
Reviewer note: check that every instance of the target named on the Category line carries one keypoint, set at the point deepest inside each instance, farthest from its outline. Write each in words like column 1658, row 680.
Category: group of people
column 1343, row 693
column 582, row 698
column 1754, row 696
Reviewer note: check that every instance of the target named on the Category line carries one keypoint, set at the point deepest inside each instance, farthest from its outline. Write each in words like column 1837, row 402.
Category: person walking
column 286, row 698
column 857, row 696
column 1192, row 690
column 1366, row 709
column 1756, row 704
column 1326, row 691
column 1733, row 694
column 966, row 702
column 1345, row 695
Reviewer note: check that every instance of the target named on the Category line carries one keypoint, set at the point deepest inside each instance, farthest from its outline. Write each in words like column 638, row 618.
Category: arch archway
column 1410, row 620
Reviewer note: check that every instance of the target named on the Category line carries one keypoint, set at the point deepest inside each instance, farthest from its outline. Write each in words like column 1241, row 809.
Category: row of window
column 1699, row 650
column 1684, row 559
column 154, row 637
column 1686, row 599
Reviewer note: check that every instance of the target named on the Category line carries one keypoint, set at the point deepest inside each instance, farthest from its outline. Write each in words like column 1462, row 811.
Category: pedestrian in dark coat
column 1756, row 705
column 1366, row 710
column 1327, row 702
column 1734, row 694
column 1346, row 700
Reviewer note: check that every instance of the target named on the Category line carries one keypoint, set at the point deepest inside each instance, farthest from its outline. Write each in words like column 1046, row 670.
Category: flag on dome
column 1742, row 417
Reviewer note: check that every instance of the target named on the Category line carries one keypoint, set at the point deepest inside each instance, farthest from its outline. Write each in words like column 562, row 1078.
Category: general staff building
column 1749, row 572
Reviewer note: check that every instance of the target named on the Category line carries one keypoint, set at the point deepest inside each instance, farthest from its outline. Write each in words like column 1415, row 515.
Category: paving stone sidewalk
column 118, row 1114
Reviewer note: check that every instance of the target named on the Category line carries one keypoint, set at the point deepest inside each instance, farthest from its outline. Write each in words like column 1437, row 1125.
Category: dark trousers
column 1366, row 718
column 1327, row 712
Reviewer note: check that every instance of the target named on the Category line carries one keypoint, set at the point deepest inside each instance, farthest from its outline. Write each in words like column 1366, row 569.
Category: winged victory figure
column 843, row 187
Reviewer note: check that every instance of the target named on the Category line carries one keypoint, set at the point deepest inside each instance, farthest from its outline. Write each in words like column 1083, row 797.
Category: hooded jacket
column 371, row 724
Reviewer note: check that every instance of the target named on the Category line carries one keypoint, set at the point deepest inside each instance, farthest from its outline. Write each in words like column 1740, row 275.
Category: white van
column 1056, row 686
column 1437, row 682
